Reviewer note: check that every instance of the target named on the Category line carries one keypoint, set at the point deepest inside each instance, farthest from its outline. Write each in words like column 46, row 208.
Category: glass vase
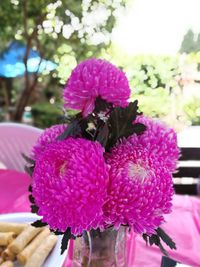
column 101, row 249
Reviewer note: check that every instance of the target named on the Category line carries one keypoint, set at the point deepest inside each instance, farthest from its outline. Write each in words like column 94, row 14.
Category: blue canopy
column 12, row 65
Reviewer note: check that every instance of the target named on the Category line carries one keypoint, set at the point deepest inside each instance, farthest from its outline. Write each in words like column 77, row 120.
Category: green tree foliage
column 62, row 30
column 159, row 84
column 190, row 43
column 146, row 71
column 192, row 110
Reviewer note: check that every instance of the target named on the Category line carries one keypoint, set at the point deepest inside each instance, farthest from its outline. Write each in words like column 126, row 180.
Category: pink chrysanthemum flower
column 140, row 188
column 159, row 140
column 94, row 78
column 70, row 182
column 47, row 137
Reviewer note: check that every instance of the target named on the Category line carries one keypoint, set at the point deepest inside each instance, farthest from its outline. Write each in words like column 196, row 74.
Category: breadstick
column 8, row 255
column 28, row 251
column 1, row 250
column 7, row 264
column 23, row 239
column 6, row 238
column 12, row 227
column 39, row 256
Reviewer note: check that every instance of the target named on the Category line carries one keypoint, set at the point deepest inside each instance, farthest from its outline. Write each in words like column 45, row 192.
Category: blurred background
column 157, row 44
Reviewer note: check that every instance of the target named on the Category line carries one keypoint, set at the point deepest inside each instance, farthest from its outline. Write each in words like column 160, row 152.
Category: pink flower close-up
column 47, row 137
column 160, row 140
column 94, row 78
column 140, row 188
column 70, row 183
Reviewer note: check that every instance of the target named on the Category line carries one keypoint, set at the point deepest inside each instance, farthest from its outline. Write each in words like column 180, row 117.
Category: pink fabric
column 183, row 224
column 14, row 191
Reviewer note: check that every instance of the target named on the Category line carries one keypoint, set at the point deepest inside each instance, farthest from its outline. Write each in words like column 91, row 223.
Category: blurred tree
column 192, row 110
column 190, row 43
column 47, row 24
column 146, row 71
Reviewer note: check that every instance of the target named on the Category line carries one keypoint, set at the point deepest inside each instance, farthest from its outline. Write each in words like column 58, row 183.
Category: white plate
column 54, row 259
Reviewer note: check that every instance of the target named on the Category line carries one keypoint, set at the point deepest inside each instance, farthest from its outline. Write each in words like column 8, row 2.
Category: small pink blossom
column 94, row 78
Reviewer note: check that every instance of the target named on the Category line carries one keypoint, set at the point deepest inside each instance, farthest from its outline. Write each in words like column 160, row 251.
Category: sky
column 156, row 26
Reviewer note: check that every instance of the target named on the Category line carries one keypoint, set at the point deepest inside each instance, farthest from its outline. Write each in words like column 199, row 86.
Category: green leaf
column 102, row 135
column 38, row 223
column 29, row 169
column 84, row 125
column 66, row 237
column 101, row 105
column 31, row 199
column 64, row 243
column 163, row 250
column 30, row 189
column 121, row 123
column 56, row 232
column 73, row 129
column 34, row 208
column 139, row 128
column 145, row 237
column 154, row 239
column 27, row 159
column 167, row 239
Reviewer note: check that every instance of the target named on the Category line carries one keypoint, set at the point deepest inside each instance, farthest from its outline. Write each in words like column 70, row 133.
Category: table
column 183, row 224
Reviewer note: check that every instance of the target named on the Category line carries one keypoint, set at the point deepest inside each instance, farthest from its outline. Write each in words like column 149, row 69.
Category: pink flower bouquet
column 109, row 165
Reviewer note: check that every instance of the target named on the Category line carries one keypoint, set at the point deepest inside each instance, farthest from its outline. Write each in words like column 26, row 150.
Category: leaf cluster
column 109, row 124
column 156, row 239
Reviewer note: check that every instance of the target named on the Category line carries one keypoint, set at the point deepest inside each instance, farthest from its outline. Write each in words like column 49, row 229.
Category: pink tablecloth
column 183, row 224
column 14, row 191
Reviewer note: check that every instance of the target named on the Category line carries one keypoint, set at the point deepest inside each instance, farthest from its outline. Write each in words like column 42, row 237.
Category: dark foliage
column 56, row 232
column 31, row 199
column 30, row 189
column 107, row 125
column 66, row 237
column 167, row 239
column 39, row 223
column 103, row 134
column 156, row 239
column 120, row 123
column 29, row 170
column 102, row 105
column 28, row 159
column 73, row 129
column 34, row 208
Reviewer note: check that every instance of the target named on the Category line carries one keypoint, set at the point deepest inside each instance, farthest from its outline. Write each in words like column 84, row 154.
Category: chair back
column 187, row 176
column 16, row 138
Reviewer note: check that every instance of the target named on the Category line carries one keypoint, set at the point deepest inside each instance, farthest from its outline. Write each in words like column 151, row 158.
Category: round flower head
column 159, row 140
column 140, row 189
column 70, row 185
column 47, row 137
column 94, row 78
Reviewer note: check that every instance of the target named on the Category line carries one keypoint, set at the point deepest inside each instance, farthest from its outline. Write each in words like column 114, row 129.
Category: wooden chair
column 186, row 178
column 15, row 139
